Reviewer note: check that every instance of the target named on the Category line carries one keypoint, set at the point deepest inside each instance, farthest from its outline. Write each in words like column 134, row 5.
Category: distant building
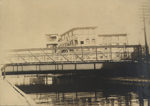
column 82, row 36
column 113, row 39
column 51, row 40
column 85, row 36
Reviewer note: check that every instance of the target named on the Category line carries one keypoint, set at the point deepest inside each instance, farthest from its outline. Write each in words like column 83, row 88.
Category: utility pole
column 145, row 14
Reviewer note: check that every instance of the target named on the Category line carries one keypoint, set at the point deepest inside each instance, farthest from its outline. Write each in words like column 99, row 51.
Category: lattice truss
column 72, row 54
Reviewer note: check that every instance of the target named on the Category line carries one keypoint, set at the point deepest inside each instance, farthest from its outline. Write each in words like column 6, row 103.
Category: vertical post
column 46, row 79
column 76, row 95
column 110, row 53
column 75, row 66
column 63, row 97
column 58, row 95
column 39, row 68
column 94, row 66
column 13, row 68
column 4, row 73
column 36, row 67
column 128, row 53
column 17, row 71
column 96, row 53
column 141, row 102
column 112, row 102
column 82, row 53
column 22, row 68
column 62, row 66
column 69, row 54
column 55, row 66
column 40, row 95
column 95, row 95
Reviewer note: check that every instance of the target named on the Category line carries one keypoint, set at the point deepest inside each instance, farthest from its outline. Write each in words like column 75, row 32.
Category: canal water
column 73, row 90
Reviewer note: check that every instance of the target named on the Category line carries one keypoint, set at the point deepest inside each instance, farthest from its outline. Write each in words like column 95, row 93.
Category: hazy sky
column 24, row 23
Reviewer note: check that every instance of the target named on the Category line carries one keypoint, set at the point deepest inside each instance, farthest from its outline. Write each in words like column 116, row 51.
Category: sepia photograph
column 74, row 53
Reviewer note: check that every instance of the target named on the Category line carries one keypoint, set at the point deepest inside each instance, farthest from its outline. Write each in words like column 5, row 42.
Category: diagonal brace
column 47, row 55
column 21, row 57
column 64, row 56
column 34, row 55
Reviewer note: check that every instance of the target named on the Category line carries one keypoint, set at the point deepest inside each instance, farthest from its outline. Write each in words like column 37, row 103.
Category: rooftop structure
column 51, row 40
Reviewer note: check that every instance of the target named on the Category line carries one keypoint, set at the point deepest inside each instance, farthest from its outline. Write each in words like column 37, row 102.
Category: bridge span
column 72, row 59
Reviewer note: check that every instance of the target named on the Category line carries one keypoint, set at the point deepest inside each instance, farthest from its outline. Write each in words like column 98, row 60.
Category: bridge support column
column 46, row 79
column 63, row 96
column 22, row 68
column 57, row 95
column 55, row 67
column 17, row 68
column 13, row 68
column 39, row 68
column 62, row 66
column 36, row 67
column 76, row 95
column 17, row 71
column 94, row 66
column 95, row 95
column 75, row 66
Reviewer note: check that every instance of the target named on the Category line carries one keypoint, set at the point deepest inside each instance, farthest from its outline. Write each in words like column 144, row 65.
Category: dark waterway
column 79, row 90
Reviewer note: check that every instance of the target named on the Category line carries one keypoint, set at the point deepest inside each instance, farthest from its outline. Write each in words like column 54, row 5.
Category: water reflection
column 80, row 90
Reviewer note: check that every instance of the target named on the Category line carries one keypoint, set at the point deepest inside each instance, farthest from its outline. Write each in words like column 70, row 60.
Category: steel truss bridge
column 68, row 58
